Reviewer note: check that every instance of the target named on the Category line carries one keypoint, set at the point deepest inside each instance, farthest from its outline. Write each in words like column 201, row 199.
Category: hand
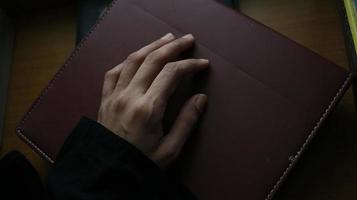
column 135, row 95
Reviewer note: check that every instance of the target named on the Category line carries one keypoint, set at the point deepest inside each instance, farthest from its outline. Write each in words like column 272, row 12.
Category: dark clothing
column 94, row 163
column 18, row 179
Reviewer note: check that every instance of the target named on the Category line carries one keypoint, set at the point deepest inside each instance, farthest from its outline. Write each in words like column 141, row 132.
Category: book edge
column 33, row 106
column 312, row 134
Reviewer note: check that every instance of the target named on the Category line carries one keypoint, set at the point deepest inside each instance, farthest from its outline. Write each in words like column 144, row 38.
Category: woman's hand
column 135, row 95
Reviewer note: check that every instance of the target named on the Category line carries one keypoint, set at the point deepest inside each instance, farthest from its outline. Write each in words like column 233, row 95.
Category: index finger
column 168, row 79
column 157, row 59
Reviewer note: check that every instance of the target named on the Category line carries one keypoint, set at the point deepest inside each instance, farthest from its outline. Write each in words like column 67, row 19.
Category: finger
column 134, row 60
column 168, row 79
column 110, row 79
column 173, row 142
column 157, row 59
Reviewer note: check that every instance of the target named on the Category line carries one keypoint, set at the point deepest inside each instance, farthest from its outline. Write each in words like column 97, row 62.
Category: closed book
column 267, row 94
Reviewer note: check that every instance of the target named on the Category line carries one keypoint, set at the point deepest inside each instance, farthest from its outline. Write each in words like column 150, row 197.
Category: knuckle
column 154, row 57
column 194, row 111
column 195, row 114
column 120, row 103
column 172, row 68
column 134, row 57
column 171, row 154
column 177, row 44
column 108, row 74
column 142, row 111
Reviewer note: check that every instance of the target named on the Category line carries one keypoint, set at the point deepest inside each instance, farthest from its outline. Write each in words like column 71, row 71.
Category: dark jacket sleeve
column 94, row 163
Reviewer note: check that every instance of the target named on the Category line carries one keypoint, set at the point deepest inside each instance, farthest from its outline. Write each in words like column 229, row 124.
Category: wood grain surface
column 44, row 39
column 327, row 170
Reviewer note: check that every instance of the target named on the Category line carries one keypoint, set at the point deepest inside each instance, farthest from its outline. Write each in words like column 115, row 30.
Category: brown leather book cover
column 267, row 95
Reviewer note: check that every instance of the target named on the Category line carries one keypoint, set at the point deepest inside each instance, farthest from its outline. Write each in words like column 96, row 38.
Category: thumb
column 173, row 142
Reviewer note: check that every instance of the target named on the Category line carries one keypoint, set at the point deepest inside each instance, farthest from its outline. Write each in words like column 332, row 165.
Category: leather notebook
column 267, row 94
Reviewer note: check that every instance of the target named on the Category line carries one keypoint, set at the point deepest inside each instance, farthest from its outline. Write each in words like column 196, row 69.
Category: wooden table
column 43, row 41
column 328, row 170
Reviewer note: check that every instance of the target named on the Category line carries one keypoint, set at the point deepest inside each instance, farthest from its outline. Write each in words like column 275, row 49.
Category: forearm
column 97, row 164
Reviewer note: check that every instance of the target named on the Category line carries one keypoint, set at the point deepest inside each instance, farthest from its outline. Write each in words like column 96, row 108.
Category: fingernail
column 200, row 102
column 188, row 37
column 205, row 61
column 168, row 36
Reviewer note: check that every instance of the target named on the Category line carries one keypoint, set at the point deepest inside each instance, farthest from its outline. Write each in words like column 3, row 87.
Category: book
column 268, row 95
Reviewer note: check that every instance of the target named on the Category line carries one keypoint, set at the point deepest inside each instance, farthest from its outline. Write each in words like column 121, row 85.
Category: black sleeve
column 94, row 163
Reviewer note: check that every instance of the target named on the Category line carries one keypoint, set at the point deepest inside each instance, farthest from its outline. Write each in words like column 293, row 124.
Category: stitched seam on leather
column 309, row 138
column 58, row 74
column 32, row 144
